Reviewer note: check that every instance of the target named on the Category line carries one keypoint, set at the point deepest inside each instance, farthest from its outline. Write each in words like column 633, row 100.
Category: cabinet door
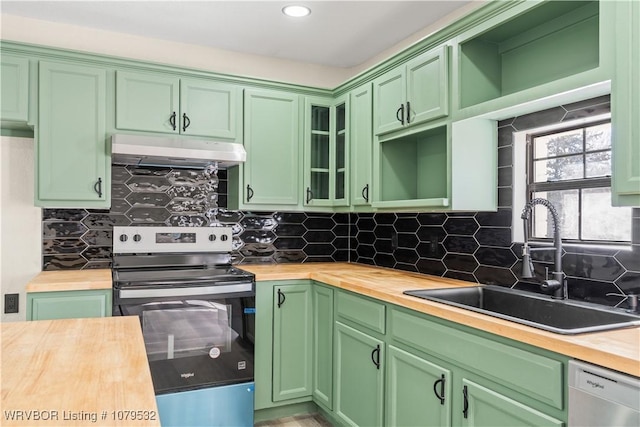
column 625, row 106
column 341, row 153
column 209, row 109
column 323, row 346
column 14, row 96
column 272, row 135
column 359, row 379
column 361, row 145
column 68, row 305
column 418, row 392
column 428, row 87
column 72, row 162
column 292, row 329
column 319, row 152
column 485, row 407
column 389, row 101
column 147, row 102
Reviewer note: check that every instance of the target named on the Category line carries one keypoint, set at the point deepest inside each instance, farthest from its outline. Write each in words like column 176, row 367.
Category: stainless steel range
column 197, row 313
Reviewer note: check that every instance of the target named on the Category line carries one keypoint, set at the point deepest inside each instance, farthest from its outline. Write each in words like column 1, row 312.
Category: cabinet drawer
column 361, row 311
column 530, row 374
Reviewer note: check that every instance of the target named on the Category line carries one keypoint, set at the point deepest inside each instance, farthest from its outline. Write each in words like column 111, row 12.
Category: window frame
column 569, row 184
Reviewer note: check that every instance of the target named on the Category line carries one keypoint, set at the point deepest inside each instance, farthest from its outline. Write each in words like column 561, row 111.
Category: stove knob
column 137, row 237
column 123, row 237
column 224, row 237
column 212, row 237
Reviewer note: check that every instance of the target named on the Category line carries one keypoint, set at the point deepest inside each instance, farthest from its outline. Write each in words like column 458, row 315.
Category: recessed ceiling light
column 296, row 11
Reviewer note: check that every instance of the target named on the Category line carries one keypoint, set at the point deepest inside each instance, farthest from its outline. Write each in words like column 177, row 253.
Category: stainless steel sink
column 539, row 311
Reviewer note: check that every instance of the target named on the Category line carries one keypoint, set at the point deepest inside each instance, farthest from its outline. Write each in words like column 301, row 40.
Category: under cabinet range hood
column 174, row 152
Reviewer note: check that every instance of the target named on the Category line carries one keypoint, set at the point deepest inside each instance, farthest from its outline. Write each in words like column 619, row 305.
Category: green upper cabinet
column 326, row 155
column 531, row 51
column 418, row 392
column 72, row 164
column 412, row 93
column 14, row 95
column 193, row 107
column 361, row 144
column 625, row 106
column 292, row 343
column 271, row 174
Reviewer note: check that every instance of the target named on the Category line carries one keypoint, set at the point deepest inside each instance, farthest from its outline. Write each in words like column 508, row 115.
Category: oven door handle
column 186, row 292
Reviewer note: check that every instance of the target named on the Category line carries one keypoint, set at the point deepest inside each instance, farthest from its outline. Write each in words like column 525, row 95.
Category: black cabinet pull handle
column 375, row 356
column 365, row 193
column 281, row 298
column 465, row 409
column 309, row 195
column 97, row 187
column 172, row 120
column 435, row 389
column 185, row 122
column 408, row 112
column 400, row 114
column 249, row 192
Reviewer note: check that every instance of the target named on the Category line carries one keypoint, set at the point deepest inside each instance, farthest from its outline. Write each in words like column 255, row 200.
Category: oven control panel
column 128, row 240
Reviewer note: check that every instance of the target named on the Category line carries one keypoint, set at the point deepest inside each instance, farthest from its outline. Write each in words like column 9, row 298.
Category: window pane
column 598, row 137
column 558, row 144
column 566, row 203
column 601, row 221
column 559, row 169
column 598, row 164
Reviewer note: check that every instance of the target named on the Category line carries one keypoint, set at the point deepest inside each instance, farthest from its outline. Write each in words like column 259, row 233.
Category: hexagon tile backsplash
column 472, row 246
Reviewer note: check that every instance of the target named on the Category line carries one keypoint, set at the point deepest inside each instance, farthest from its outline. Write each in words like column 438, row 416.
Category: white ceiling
column 337, row 33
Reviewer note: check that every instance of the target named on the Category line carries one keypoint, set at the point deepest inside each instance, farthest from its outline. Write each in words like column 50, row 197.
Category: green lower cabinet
column 485, row 407
column 359, row 377
column 418, row 392
column 292, row 344
column 68, row 304
column 323, row 345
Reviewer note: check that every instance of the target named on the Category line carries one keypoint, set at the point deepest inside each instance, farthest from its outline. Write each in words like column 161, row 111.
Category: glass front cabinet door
column 326, row 145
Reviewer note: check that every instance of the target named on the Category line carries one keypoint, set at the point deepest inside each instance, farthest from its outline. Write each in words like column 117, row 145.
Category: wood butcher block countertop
column 70, row 280
column 76, row 372
column 619, row 349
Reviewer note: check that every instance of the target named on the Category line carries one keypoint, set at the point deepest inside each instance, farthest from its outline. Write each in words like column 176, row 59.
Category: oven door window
column 187, row 328
column 197, row 343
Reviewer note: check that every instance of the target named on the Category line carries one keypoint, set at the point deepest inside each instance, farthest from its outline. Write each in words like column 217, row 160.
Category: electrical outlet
column 11, row 303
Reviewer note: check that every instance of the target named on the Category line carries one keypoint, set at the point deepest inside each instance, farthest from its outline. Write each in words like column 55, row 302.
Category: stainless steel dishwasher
column 600, row 397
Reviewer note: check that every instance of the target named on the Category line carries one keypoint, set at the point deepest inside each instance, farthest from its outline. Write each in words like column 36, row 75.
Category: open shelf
column 413, row 170
column 554, row 40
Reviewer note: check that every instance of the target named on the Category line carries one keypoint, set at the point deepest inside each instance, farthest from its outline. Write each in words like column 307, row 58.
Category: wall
column 478, row 247
column 20, row 238
column 82, row 238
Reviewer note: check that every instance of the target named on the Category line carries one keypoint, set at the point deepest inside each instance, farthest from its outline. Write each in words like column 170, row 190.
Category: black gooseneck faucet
column 558, row 283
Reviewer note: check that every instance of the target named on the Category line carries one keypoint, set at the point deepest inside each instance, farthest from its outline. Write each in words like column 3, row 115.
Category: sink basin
column 539, row 311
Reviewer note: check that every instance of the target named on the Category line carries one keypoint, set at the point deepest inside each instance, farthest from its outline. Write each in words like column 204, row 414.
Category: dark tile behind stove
column 82, row 238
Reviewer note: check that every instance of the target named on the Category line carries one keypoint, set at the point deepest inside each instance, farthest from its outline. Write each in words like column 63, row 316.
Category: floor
column 309, row 420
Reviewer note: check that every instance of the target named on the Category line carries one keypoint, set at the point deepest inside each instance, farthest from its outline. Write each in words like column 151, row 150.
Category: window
column 572, row 169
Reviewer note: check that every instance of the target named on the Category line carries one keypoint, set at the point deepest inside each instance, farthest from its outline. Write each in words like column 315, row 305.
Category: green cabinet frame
column 73, row 168
column 14, row 96
column 69, row 304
